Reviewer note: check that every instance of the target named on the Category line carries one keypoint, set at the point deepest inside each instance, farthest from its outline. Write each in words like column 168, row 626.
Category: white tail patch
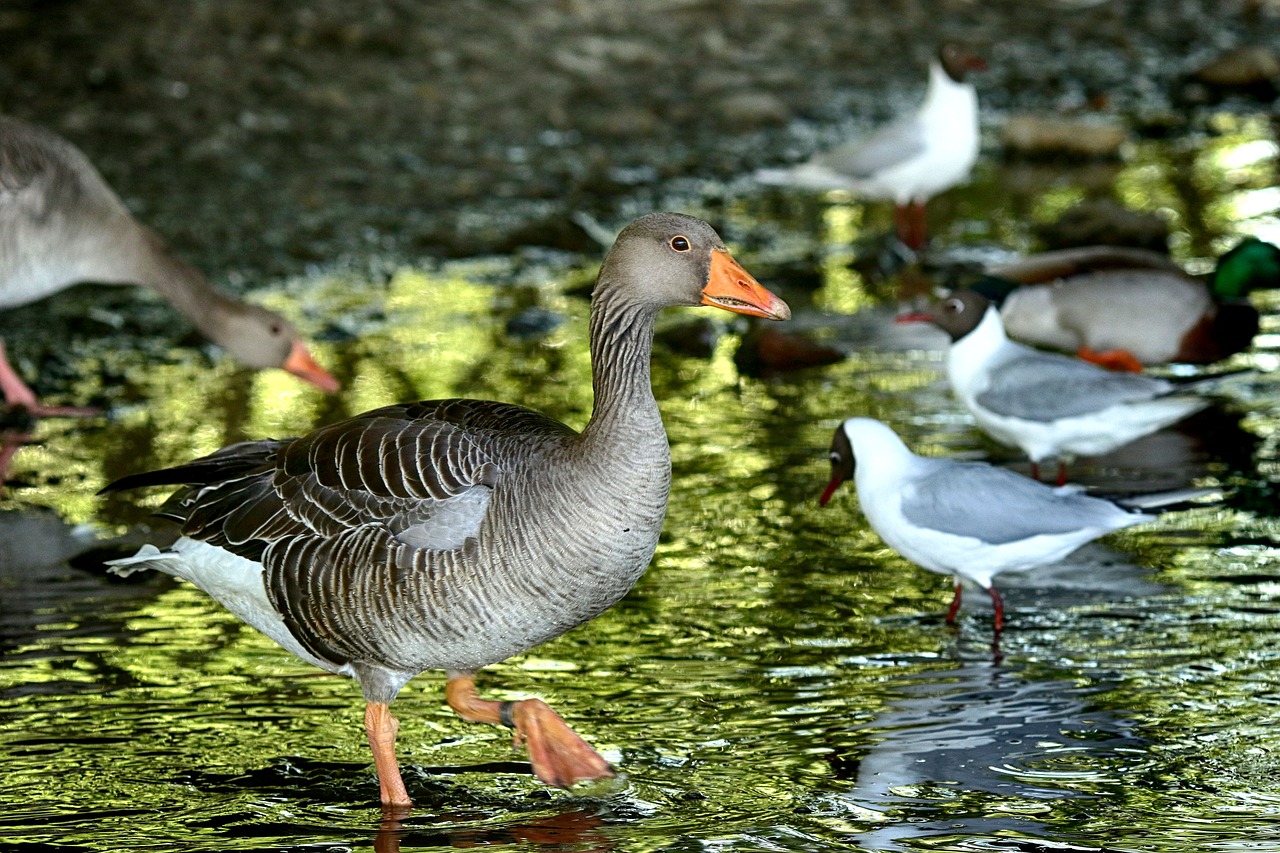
column 148, row 557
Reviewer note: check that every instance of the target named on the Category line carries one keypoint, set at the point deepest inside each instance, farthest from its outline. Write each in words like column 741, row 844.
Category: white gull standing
column 970, row 520
column 909, row 160
column 1050, row 405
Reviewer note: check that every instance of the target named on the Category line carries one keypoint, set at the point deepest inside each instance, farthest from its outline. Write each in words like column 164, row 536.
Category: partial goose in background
column 1049, row 405
column 971, row 520
column 909, row 160
column 1125, row 308
column 453, row 534
column 61, row 224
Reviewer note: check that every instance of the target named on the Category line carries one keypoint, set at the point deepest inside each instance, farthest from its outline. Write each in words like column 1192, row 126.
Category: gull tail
column 1167, row 501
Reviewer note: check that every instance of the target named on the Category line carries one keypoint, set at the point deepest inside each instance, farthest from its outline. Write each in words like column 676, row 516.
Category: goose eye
column 955, row 306
column 680, row 243
column 834, row 457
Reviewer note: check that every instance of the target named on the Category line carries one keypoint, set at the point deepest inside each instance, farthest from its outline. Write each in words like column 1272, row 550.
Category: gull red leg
column 955, row 604
column 902, row 224
column 919, row 227
column 559, row 756
column 998, row 603
column 1062, row 473
column 1035, row 471
column 381, row 729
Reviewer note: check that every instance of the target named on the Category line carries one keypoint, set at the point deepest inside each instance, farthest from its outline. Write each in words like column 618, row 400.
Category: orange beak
column 302, row 365
column 732, row 288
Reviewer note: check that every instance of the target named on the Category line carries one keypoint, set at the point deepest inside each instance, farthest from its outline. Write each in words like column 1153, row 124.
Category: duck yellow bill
column 734, row 289
column 302, row 365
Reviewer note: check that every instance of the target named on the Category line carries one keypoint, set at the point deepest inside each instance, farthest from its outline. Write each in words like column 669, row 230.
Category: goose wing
column 421, row 472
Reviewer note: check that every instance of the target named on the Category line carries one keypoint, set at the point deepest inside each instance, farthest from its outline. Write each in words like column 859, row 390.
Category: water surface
column 779, row 680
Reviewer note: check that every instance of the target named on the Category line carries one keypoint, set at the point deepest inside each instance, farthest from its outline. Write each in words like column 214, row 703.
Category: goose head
column 668, row 259
column 261, row 338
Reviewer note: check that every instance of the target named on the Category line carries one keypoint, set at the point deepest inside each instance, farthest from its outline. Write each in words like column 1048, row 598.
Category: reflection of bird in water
column 1049, row 405
column 571, row 830
column 1124, row 308
column 61, row 224
column 970, row 729
column 453, row 534
column 970, row 520
column 909, row 160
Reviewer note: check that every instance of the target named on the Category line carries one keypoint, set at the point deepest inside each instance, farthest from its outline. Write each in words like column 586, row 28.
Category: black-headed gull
column 910, row 160
column 970, row 520
column 1048, row 404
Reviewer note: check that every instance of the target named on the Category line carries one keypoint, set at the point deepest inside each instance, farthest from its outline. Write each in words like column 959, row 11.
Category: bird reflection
column 977, row 727
column 577, row 830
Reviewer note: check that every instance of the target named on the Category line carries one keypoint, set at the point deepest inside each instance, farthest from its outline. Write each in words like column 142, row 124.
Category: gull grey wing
column 1045, row 387
column 998, row 506
column 887, row 147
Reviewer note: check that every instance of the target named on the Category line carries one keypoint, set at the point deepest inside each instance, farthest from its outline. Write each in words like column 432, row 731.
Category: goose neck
column 621, row 349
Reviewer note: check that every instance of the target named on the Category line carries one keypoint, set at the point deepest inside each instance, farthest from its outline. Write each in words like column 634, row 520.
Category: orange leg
column 15, row 392
column 558, row 755
column 1120, row 360
column 381, row 728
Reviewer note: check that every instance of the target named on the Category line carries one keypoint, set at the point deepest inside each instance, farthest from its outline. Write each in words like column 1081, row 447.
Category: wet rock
column 1251, row 70
column 752, row 109
column 1063, row 137
column 1106, row 223
column 534, row 322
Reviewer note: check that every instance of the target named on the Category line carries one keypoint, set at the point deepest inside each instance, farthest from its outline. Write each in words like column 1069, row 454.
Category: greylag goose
column 910, row 160
column 453, row 534
column 971, row 520
column 1048, row 404
column 61, row 224
column 1125, row 308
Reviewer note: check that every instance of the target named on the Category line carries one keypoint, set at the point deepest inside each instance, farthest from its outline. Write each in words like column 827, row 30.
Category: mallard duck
column 1125, row 308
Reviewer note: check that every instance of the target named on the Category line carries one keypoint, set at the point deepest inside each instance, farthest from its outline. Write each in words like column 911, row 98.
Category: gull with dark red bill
column 1048, row 404
column 453, row 534
column 970, row 520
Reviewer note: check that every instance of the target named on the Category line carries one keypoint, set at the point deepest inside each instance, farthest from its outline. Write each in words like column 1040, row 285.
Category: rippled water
column 777, row 681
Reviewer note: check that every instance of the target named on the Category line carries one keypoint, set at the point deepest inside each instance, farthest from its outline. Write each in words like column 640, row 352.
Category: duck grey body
column 453, row 534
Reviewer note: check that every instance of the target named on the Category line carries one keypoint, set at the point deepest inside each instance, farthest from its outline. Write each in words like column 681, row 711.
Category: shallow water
column 777, row 681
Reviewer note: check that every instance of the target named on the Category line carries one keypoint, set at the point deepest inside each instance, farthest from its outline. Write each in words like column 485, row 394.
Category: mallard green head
column 1252, row 264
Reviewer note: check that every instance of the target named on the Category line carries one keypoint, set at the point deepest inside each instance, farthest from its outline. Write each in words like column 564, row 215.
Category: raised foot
column 559, row 756
column 1119, row 360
